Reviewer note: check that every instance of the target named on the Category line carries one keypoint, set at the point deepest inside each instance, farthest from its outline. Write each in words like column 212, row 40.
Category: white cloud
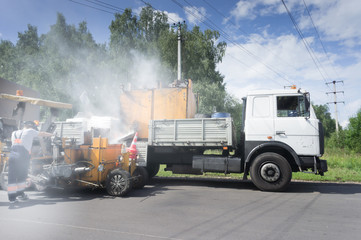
column 138, row 10
column 337, row 20
column 173, row 17
column 244, row 9
column 195, row 15
column 251, row 9
column 286, row 54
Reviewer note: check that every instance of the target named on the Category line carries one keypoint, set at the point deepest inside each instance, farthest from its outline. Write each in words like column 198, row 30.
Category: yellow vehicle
column 76, row 157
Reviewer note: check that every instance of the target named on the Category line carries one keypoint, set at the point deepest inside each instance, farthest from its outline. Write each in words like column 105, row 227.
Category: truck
column 280, row 134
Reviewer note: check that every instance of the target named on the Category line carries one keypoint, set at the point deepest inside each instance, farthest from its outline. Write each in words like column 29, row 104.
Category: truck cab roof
column 276, row 92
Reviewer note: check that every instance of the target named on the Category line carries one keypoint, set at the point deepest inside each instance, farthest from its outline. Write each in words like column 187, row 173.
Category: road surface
column 188, row 209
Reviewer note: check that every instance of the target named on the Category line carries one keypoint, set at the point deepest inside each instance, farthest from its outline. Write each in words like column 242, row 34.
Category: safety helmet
column 30, row 124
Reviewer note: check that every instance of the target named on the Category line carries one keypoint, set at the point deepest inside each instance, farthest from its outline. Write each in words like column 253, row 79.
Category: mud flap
column 321, row 166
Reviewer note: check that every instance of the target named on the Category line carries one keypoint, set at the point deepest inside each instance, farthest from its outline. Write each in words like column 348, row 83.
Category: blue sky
column 264, row 49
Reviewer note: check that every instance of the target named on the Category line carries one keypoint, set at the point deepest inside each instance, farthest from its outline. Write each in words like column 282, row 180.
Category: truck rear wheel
column 118, row 182
column 140, row 177
column 271, row 172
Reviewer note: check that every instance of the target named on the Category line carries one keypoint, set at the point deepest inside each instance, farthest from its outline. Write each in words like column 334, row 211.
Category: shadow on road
column 160, row 185
column 53, row 196
column 295, row 187
column 325, row 187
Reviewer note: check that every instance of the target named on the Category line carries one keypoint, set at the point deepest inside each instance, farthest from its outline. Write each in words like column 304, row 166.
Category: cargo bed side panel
column 191, row 132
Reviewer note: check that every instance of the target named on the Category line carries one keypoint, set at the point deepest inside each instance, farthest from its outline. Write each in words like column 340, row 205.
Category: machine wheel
column 152, row 170
column 118, row 182
column 271, row 172
column 140, row 177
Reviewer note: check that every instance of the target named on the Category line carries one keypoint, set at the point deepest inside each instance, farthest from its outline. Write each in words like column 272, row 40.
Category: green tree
column 8, row 60
column 28, row 42
column 353, row 133
column 125, row 34
column 323, row 114
column 66, row 61
column 201, row 55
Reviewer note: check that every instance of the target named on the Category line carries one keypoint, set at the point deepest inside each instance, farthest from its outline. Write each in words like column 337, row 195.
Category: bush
column 353, row 133
column 336, row 140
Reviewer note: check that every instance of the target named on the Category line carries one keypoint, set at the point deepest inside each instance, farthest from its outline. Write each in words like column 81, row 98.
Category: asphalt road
column 188, row 209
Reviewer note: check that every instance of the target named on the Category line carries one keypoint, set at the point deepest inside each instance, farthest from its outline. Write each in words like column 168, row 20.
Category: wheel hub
column 117, row 183
column 270, row 172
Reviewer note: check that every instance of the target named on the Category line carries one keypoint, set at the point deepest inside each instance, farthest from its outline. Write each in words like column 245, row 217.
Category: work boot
column 23, row 197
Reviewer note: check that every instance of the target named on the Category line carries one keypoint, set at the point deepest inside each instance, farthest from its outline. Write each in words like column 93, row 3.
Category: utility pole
column 335, row 100
column 179, row 28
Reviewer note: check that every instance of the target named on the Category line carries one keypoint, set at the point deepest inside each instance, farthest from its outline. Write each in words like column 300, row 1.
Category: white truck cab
column 280, row 134
column 283, row 116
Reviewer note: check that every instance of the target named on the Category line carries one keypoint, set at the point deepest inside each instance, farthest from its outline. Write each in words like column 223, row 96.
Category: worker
column 19, row 159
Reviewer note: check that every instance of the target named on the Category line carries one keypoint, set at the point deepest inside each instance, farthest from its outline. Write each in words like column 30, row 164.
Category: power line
column 115, row 8
column 308, row 48
column 319, row 38
column 227, row 37
column 244, row 32
column 107, row 4
column 234, row 58
column 253, row 69
column 83, row 4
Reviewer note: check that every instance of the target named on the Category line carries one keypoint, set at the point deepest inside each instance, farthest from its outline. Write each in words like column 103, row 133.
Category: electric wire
column 87, row 5
column 105, row 5
column 110, row 5
column 115, row 8
column 277, row 71
column 226, row 36
column 234, row 58
column 308, row 48
column 244, row 32
column 319, row 38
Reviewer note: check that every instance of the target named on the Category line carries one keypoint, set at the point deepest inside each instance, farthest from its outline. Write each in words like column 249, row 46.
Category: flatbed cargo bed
column 202, row 132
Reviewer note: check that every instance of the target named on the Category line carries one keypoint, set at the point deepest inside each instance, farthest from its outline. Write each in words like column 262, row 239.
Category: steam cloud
column 95, row 84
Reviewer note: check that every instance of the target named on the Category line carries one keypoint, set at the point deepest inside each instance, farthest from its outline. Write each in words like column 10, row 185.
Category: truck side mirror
column 307, row 101
column 307, row 104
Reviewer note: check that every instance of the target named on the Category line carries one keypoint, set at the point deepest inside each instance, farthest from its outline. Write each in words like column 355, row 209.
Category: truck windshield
column 292, row 106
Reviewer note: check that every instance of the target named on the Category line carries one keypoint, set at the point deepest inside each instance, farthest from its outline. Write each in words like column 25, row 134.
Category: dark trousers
column 19, row 160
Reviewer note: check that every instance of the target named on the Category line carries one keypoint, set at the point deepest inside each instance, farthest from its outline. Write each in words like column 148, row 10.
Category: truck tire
column 140, row 177
column 271, row 172
column 152, row 169
column 118, row 182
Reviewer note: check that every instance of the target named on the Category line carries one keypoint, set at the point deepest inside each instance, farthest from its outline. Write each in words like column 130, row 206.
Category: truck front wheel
column 271, row 172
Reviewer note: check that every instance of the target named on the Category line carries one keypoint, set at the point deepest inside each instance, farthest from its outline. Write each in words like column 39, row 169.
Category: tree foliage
column 349, row 138
column 66, row 63
column 324, row 115
column 353, row 133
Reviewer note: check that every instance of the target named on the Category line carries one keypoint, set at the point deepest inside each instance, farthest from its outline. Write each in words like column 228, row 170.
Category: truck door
column 295, row 125
column 259, row 120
